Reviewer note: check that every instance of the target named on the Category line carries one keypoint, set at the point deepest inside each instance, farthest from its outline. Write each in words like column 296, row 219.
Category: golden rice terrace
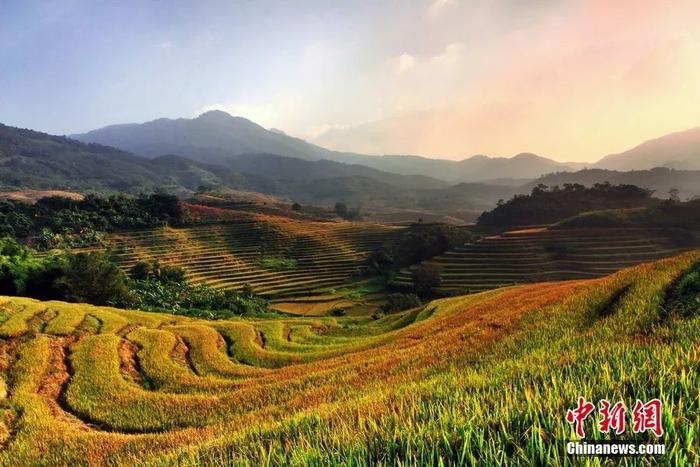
column 483, row 379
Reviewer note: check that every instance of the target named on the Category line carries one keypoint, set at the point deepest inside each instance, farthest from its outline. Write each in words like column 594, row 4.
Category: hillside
column 536, row 255
column 101, row 386
column 30, row 159
column 277, row 257
column 680, row 150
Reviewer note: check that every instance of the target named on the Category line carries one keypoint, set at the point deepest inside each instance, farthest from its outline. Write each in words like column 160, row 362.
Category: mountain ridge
column 680, row 150
column 217, row 137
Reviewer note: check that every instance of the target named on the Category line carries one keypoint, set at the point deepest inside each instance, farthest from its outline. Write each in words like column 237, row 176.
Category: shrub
column 426, row 279
column 91, row 278
column 338, row 312
column 276, row 263
column 400, row 302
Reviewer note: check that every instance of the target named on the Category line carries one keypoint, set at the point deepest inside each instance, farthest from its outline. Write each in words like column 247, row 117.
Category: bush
column 401, row 301
column 194, row 300
column 276, row 263
column 426, row 279
column 91, row 278
column 338, row 312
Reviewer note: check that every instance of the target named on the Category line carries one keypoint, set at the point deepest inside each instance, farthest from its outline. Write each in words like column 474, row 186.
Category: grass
column 482, row 379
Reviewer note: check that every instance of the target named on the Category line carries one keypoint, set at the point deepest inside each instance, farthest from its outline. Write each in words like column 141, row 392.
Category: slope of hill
column 30, row 159
column 102, row 386
column 680, row 150
column 278, row 257
column 537, row 255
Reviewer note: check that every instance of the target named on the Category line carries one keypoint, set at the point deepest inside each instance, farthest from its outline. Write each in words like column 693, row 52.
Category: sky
column 565, row 79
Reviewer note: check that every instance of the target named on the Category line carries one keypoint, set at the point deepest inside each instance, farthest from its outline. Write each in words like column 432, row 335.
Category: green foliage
column 144, row 270
column 421, row 242
column 92, row 278
column 276, row 263
column 58, row 222
column 426, row 279
column 195, row 300
column 400, row 302
column 342, row 211
column 548, row 205
column 84, row 277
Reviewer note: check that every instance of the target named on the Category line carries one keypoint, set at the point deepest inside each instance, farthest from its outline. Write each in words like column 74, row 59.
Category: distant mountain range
column 679, row 150
column 216, row 137
column 183, row 156
column 30, row 159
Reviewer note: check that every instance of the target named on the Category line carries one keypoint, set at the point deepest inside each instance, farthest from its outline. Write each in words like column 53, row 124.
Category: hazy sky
column 571, row 80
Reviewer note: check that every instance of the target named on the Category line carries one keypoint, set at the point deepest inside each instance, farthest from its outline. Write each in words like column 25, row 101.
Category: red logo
column 645, row 416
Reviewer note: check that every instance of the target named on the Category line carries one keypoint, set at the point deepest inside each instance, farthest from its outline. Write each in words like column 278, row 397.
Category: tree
column 296, row 207
column 91, row 278
column 673, row 195
column 140, row 271
column 427, row 278
column 172, row 274
column 341, row 209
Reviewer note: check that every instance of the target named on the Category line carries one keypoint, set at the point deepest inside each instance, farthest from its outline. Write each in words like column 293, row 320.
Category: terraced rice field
column 325, row 255
column 483, row 379
column 538, row 255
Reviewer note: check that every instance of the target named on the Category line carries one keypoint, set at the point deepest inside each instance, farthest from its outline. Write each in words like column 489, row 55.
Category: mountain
column 289, row 168
column 679, row 150
column 216, row 137
column 34, row 160
column 213, row 137
column 30, row 159
column 473, row 169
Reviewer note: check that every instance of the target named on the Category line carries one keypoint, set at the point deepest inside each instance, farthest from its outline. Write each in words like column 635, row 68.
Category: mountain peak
column 527, row 156
column 216, row 115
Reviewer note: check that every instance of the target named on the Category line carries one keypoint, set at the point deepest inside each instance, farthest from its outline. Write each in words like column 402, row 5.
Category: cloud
column 405, row 62
column 211, row 107
column 319, row 131
column 438, row 6
column 165, row 45
column 450, row 55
